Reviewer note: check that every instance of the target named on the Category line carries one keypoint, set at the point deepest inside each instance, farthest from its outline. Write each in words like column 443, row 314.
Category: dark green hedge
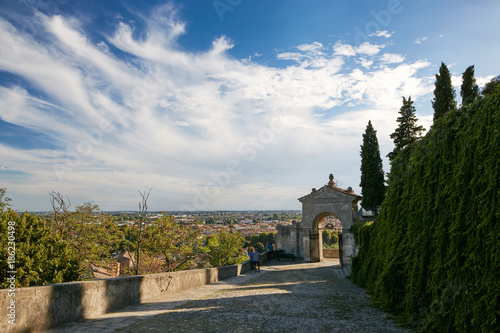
column 432, row 256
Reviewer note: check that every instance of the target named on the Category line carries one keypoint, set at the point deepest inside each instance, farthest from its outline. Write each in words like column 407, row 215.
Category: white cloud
column 291, row 56
column 369, row 49
column 383, row 33
column 365, row 62
column 175, row 119
column 392, row 58
column 420, row 40
column 344, row 49
column 314, row 48
column 347, row 50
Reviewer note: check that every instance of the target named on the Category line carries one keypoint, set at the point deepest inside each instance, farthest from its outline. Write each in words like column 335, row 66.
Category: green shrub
column 432, row 255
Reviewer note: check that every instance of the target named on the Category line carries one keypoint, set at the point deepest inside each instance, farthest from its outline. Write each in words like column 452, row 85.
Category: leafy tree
column 407, row 131
column 330, row 239
column 41, row 257
column 4, row 201
column 263, row 237
column 259, row 246
column 271, row 237
column 469, row 89
column 91, row 234
column 335, row 238
column 327, row 237
column 372, row 174
column 254, row 239
column 490, row 87
column 176, row 244
column 444, row 94
column 225, row 248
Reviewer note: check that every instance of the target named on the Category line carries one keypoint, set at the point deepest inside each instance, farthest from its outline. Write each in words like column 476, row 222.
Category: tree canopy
column 432, row 255
column 225, row 248
column 372, row 173
column 469, row 89
column 41, row 257
column 444, row 94
column 407, row 131
column 4, row 201
column 490, row 87
column 176, row 244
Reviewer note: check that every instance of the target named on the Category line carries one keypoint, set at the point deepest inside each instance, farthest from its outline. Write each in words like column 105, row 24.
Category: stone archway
column 304, row 239
column 328, row 200
column 316, row 236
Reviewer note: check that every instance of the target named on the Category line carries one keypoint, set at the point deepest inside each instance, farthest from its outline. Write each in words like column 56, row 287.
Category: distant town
column 247, row 222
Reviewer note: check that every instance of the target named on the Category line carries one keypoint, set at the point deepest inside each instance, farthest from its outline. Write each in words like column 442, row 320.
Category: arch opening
column 326, row 237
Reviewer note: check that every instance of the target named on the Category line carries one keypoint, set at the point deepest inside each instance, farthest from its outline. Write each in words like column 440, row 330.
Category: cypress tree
column 444, row 94
column 372, row 174
column 407, row 131
column 469, row 89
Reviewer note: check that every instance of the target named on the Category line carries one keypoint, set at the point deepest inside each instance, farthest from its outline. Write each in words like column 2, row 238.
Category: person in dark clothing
column 270, row 249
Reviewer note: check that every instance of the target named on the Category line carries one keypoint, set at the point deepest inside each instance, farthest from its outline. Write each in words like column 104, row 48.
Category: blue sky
column 219, row 105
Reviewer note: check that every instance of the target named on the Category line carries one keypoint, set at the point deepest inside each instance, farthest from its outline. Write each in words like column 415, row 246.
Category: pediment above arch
column 330, row 193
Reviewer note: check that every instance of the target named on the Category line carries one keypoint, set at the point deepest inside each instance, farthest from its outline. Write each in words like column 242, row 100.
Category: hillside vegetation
column 432, row 256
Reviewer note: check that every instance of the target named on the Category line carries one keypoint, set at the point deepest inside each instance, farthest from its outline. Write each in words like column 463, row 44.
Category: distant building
column 126, row 260
column 106, row 272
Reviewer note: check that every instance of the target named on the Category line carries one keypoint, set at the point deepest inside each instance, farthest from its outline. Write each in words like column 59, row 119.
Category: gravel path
column 285, row 297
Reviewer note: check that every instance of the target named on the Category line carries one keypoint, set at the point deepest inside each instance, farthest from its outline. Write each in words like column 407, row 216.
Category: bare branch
column 59, row 203
column 143, row 213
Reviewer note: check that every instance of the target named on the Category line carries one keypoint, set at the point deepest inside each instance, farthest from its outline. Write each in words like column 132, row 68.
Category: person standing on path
column 256, row 260
column 251, row 250
column 270, row 249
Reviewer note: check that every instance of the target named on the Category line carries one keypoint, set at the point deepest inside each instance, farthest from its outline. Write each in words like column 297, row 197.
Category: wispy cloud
column 420, row 40
column 172, row 118
column 366, row 48
column 383, row 33
column 392, row 58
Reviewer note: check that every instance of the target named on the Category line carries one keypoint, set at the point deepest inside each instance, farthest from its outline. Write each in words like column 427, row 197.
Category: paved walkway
column 284, row 297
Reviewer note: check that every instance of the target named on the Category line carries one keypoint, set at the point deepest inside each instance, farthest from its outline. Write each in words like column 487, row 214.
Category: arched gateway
column 304, row 239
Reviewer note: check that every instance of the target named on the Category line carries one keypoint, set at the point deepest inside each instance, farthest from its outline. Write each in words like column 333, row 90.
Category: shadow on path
column 298, row 297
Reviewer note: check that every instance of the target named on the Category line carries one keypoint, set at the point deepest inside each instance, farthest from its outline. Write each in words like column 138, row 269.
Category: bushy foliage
column 263, row 238
column 40, row 256
column 178, row 245
column 490, row 87
column 225, row 248
column 91, row 234
column 260, row 247
column 432, row 255
column 330, row 239
column 4, row 201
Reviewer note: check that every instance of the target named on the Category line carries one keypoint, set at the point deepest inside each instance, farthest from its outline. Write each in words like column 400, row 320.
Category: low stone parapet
column 42, row 307
column 327, row 253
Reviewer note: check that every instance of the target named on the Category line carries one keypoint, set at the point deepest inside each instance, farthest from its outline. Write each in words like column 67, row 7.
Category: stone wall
column 43, row 307
column 327, row 253
column 289, row 239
